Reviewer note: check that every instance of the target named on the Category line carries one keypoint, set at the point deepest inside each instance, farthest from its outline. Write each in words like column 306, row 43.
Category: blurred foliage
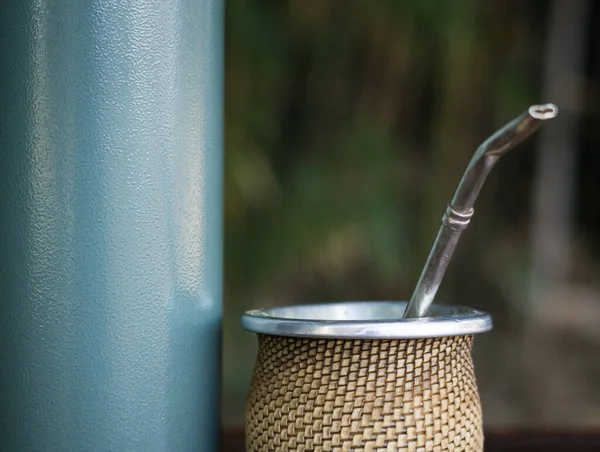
column 348, row 126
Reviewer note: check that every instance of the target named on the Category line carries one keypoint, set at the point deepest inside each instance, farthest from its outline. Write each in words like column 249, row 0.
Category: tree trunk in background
column 554, row 183
column 549, row 383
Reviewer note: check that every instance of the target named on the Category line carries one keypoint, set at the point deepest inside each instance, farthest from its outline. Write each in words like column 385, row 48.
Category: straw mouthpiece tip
column 544, row 111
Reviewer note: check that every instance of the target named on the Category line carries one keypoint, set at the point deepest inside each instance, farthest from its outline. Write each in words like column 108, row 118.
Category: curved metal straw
column 460, row 210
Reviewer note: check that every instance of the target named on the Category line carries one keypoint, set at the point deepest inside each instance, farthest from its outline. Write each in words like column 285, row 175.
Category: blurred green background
column 348, row 126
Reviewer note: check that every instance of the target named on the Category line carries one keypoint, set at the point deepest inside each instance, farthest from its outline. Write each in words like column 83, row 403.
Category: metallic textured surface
column 110, row 225
column 322, row 395
column 460, row 210
column 365, row 320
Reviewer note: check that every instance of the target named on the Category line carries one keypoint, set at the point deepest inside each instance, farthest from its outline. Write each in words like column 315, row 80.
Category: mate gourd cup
column 380, row 376
column 356, row 376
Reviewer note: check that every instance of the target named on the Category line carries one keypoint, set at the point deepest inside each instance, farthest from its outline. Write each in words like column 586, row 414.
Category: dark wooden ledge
column 495, row 441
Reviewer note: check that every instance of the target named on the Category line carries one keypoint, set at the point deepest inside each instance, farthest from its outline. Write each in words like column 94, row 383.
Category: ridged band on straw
column 455, row 220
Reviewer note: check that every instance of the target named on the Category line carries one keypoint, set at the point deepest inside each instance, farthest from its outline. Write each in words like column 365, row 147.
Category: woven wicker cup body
column 354, row 377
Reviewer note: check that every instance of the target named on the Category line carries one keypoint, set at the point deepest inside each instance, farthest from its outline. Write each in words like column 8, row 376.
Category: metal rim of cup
column 365, row 320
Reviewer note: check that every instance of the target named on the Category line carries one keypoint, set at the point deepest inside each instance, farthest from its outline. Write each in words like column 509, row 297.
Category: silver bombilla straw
column 460, row 209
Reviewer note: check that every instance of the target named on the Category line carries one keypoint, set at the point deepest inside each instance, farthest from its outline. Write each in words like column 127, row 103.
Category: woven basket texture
column 364, row 396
